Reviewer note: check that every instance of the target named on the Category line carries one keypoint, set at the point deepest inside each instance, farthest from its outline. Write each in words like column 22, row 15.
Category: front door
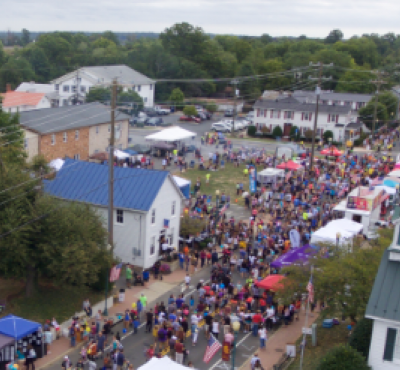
column 286, row 129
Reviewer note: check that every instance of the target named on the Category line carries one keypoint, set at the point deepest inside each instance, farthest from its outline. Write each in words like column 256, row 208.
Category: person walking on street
column 128, row 276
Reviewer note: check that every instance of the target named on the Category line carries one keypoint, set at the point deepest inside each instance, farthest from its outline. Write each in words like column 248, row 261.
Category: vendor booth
column 290, row 166
column 271, row 282
column 160, row 149
column 172, row 134
column 7, row 350
column 270, row 176
column 184, row 185
column 56, row 164
column 164, row 363
column 23, row 333
column 363, row 206
column 295, row 256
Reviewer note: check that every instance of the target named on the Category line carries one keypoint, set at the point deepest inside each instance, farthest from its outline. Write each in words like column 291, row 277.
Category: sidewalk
column 152, row 290
column 276, row 343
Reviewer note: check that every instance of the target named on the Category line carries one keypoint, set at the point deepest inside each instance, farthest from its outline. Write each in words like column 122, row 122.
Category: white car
column 199, row 108
column 221, row 127
column 250, row 116
column 162, row 111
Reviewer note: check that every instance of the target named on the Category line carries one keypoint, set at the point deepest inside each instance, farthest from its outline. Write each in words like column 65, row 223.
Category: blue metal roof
column 88, row 182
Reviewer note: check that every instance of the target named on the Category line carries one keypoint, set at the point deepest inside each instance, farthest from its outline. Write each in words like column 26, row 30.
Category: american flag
column 223, row 209
column 166, row 223
column 310, row 290
column 114, row 273
column 212, row 348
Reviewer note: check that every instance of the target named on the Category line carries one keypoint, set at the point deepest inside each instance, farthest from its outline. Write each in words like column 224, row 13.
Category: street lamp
column 236, row 327
column 216, row 213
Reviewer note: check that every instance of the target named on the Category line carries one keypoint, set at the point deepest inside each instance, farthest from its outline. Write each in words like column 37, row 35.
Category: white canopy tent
column 56, row 164
column 270, row 175
column 164, row 363
column 180, row 181
column 171, row 134
column 388, row 189
column 394, row 173
column 120, row 154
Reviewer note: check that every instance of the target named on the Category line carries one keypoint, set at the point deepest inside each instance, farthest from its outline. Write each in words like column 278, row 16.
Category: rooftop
column 67, row 117
column 88, row 182
column 18, row 98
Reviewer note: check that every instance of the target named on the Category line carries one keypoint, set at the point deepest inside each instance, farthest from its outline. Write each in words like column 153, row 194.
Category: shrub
column 251, row 130
column 211, row 107
column 100, row 284
column 277, row 132
column 308, row 134
column 265, row 130
column 343, row 357
column 328, row 134
column 361, row 337
column 165, row 269
column 190, row 110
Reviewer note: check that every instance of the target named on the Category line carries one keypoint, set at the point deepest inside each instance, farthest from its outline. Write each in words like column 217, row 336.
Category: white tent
column 395, row 173
column 388, row 189
column 347, row 225
column 120, row 154
column 180, row 181
column 56, row 164
column 270, row 175
column 164, row 363
column 171, row 134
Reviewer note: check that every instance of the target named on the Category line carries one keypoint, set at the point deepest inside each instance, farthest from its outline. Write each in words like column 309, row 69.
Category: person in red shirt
column 179, row 348
column 257, row 320
column 263, row 304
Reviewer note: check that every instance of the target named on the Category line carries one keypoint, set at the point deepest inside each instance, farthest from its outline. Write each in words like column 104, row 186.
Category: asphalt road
column 134, row 344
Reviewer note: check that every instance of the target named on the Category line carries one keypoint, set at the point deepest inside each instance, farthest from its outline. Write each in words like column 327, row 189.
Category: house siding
column 377, row 346
column 70, row 148
column 100, row 141
column 32, row 141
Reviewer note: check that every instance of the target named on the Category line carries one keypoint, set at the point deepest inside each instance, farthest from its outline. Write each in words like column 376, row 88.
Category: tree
column 360, row 338
column 334, row 36
column 366, row 114
column 191, row 226
column 343, row 281
column 100, row 94
column 308, row 134
column 177, row 96
column 26, row 37
column 190, row 110
column 363, row 50
column 248, row 87
column 357, row 81
column 390, row 101
column 39, row 62
column 15, row 71
column 328, row 134
column 211, row 107
column 294, row 133
column 110, row 36
column 130, row 98
column 343, row 357
column 277, row 132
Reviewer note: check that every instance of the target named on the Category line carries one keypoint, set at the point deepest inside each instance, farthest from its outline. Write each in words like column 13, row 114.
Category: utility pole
column 379, row 82
column 111, row 180
column 318, row 93
column 77, row 87
column 234, row 83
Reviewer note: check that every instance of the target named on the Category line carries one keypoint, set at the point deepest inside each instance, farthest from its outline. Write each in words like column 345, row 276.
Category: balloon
column 124, row 331
column 119, row 317
column 349, row 327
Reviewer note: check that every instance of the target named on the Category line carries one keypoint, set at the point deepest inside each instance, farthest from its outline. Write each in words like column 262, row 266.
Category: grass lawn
column 326, row 339
column 224, row 180
column 48, row 302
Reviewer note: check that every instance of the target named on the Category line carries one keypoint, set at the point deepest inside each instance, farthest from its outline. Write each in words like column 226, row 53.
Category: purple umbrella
column 295, row 255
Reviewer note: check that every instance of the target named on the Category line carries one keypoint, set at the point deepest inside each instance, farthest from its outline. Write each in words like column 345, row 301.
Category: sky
column 313, row 18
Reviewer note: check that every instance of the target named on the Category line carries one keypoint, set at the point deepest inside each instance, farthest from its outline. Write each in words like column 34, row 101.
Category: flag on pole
column 310, row 290
column 166, row 223
column 115, row 272
column 212, row 348
column 223, row 209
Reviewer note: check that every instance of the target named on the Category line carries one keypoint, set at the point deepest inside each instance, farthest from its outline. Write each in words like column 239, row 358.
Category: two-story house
column 288, row 112
column 384, row 307
column 73, row 87
column 17, row 101
column 147, row 206
column 47, row 89
column 75, row 131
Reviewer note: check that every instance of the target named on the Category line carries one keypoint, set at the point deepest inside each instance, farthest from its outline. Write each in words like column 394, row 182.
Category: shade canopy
column 120, row 154
column 389, row 189
column 297, row 255
column 130, row 152
column 171, row 134
column 5, row 341
column 56, row 164
column 395, row 173
column 333, row 151
column 271, row 282
column 161, row 145
column 164, row 363
column 390, row 183
column 289, row 165
column 337, row 232
column 17, row 327
column 180, row 181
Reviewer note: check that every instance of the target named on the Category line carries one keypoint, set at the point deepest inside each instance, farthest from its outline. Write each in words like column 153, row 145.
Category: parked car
column 189, row 119
column 208, row 114
column 154, row 121
column 150, row 112
column 141, row 148
column 162, row 111
column 188, row 149
column 199, row 108
column 229, row 112
column 220, row 127
column 202, row 116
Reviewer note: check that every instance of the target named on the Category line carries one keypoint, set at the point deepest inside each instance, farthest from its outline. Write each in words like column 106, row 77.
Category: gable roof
column 32, row 87
column 19, row 98
column 87, row 182
column 67, row 117
column 384, row 300
column 291, row 103
column 104, row 75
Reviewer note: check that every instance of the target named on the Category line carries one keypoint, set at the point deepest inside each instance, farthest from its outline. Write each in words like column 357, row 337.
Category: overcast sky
column 314, row 18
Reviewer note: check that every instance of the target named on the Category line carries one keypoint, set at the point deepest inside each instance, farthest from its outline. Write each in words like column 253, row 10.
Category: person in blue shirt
column 179, row 301
column 181, row 260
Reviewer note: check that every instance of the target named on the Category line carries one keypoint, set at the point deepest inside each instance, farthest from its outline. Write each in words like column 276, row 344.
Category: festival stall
column 290, row 166
column 162, row 363
column 184, row 185
column 23, row 333
column 271, row 282
column 295, row 256
column 170, row 135
column 270, row 176
column 332, row 151
column 56, row 164
column 7, row 350
column 363, row 205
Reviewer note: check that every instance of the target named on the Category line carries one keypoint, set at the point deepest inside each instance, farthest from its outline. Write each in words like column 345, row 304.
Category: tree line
column 184, row 51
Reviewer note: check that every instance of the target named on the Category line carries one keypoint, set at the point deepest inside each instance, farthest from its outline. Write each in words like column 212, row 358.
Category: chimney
column 8, row 88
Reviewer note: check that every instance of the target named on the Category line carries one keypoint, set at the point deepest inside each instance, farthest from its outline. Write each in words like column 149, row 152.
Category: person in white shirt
column 215, row 329
column 187, row 280
column 262, row 333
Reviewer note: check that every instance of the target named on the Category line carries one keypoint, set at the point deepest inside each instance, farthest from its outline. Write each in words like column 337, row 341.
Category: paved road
column 134, row 344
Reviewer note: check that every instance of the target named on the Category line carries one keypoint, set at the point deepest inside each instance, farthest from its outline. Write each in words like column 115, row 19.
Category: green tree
column 109, row 35
column 334, row 36
column 191, row 226
column 343, row 357
column 366, row 114
column 15, row 71
column 177, row 96
column 390, row 101
column 328, row 134
column 360, row 338
column 294, row 133
column 357, row 81
column 363, row 50
column 211, row 107
column 26, row 37
column 39, row 62
column 98, row 93
column 190, row 110
column 248, row 87
column 130, row 98
column 277, row 132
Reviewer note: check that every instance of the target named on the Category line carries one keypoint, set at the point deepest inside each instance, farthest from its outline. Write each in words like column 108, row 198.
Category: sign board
column 226, row 351
column 359, row 203
column 253, row 179
column 307, row 331
column 378, row 199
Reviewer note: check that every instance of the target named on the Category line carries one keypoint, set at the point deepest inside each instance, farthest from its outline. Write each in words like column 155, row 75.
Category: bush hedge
column 360, row 338
column 251, row 130
column 343, row 357
column 277, row 132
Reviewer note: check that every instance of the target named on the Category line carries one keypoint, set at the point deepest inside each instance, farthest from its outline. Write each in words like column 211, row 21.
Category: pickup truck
column 162, row 111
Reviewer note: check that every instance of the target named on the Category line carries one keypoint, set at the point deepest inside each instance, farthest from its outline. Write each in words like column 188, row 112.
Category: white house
column 288, row 112
column 47, row 89
column 16, row 101
column 74, row 86
column 383, row 308
column 147, row 206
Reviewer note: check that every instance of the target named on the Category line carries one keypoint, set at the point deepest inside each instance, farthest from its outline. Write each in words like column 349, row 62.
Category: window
column 289, row 115
column 76, row 134
column 152, row 245
column 66, row 88
column 171, row 237
column 275, row 113
column 145, row 100
column 97, row 129
column 151, row 87
column 139, row 87
column 153, row 216
column 173, row 208
column 53, row 139
column 83, row 89
column 120, row 146
column 73, row 88
column 64, row 137
column 77, row 157
column 120, row 216
column 392, row 346
column 306, row 116
column 65, row 102
column 56, row 87
column 25, row 144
